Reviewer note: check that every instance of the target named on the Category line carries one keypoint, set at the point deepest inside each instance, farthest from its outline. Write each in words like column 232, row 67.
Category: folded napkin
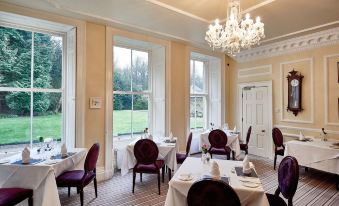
column 235, row 129
column 301, row 136
column 26, row 155
column 246, row 168
column 63, row 151
column 48, row 140
column 214, row 170
column 171, row 136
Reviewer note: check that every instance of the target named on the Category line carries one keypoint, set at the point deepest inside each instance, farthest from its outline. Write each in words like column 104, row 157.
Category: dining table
column 40, row 173
column 167, row 152
column 232, row 141
column 315, row 153
column 249, row 189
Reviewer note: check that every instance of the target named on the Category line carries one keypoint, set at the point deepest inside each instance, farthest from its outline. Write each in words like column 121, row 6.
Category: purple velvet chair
column 81, row 178
column 209, row 192
column 146, row 153
column 180, row 156
column 278, row 142
column 218, row 141
column 288, row 176
column 244, row 147
column 13, row 196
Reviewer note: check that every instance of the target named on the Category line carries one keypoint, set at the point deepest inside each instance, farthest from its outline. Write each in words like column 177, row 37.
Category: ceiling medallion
column 237, row 33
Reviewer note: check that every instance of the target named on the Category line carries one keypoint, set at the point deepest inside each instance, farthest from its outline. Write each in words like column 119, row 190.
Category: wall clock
column 294, row 92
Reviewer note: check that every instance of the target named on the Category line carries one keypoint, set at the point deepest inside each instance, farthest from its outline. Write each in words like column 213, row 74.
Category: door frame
column 268, row 84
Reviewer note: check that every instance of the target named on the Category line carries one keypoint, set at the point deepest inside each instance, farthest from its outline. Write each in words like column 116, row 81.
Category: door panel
column 255, row 114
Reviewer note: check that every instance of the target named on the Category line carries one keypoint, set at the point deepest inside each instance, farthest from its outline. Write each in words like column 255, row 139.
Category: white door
column 255, row 113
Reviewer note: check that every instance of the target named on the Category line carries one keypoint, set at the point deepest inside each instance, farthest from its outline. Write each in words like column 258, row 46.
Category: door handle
column 263, row 130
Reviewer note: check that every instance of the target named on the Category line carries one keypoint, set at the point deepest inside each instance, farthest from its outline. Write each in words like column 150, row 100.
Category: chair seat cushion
column 243, row 146
column 280, row 152
column 149, row 168
column 74, row 178
column 12, row 196
column 275, row 200
column 220, row 151
column 181, row 158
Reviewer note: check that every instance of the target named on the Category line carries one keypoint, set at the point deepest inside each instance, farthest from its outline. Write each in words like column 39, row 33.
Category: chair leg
column 163, row 174
column 140, row 177
column 77, row 190
column 134, row 175
column 30, row 201
column 69, row 191
column 81, row 191
column 306, row 169
column 95, row 187
column 169, row 174
column 290, row 202
column 246, row 152
column 228, row 156
column 275, row 160
column 337, row 182
column 159, row 182
column 233, row 155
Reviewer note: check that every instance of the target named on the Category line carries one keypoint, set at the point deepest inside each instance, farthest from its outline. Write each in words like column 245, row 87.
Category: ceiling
column 188, row 20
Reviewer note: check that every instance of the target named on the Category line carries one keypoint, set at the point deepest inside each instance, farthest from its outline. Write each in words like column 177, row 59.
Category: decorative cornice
column 310, row 41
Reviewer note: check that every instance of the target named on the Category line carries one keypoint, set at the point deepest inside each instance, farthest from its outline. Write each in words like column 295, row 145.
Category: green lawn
column 122, row 121
column 17, row 129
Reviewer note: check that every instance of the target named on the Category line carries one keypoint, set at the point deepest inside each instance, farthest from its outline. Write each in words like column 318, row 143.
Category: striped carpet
column 314, row 188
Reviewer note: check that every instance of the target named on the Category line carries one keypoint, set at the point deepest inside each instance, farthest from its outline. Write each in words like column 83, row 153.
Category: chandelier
column 237, row 33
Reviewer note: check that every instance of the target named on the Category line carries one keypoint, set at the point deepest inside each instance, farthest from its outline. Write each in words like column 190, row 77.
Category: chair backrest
column 146, row 151
column 288, row 176
column 277, row 137
column 217, row 138
column 92, row 157
column 209, row 192
column 248, row 134
column 188, row 145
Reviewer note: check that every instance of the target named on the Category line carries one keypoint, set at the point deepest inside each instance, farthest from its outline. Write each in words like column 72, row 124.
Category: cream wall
column 311, row 64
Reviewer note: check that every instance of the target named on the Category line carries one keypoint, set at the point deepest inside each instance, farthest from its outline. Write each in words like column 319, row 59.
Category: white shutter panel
column 214, row 67
column 158, row 91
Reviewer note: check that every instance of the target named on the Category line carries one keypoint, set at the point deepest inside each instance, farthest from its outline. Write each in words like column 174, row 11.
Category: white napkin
column 63, row 151
column 301, row 136
column 235, row 129
column 214, row 171
column 246, row 168
column 150, row 137
column 25, row 155
column 48, row 140
column 171, row 136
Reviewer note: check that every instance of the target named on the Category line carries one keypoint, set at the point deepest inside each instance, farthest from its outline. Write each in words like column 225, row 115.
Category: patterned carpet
column 314, row 188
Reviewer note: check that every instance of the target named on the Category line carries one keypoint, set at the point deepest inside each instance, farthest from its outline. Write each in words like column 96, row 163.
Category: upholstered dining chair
column 13, row 196
column 180, row 156
column 218, row 141
column 81, row 178
column 146, row 153
column 244, row 147
column 288, row 176
column 209, row 192
column 279, row 147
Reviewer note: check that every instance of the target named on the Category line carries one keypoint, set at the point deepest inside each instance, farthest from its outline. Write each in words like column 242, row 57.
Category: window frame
column 131, row 92
column 65, row 82
column 204, row 95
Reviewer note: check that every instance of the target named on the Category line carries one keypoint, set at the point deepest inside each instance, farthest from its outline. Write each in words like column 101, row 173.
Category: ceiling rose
column 237, row 33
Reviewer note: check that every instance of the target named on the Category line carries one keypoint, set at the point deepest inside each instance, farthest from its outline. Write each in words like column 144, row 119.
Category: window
column 31, row 86
column 131, row 92
column 198, row 94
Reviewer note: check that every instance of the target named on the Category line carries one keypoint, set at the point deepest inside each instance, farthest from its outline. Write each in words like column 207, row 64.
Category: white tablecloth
column 178, row 190
column 232, row 142
column 40, row 177
column 167, row 152
column 316, row 154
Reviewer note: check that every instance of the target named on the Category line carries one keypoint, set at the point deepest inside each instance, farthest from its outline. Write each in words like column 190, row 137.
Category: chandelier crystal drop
column 237, row 33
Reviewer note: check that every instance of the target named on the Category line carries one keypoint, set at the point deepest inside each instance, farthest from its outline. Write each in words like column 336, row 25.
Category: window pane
column 192, row 112
column 200, row 112
column 122, row 69
column 14, row 118
column 47, row 118
column 140, row 113
column 15, row 58
column 47, row 61
column 199, row 77
column 122, row 111
column 191, row 75
column 139, row 71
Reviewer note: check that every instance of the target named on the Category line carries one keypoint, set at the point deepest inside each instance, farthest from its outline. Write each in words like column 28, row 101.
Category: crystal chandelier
column 237, row 33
